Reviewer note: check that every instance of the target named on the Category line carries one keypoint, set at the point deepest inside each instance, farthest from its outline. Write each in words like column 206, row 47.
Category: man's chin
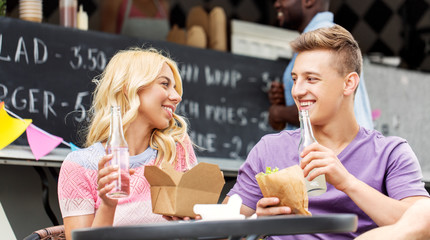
column 286, row 25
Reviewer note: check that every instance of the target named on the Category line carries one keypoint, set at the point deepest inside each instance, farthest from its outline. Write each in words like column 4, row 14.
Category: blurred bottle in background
column 68, row 11
column 82, row 19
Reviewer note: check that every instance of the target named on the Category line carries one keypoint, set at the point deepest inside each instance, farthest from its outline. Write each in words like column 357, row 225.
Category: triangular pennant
column 41, row 143
column 73, row 147
column 10, row 128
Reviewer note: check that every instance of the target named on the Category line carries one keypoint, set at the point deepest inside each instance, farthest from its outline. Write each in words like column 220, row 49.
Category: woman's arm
column 106, row 212
column 75, row 222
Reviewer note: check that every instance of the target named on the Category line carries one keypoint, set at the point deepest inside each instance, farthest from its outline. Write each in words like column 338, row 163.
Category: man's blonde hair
column 126, row 73
column 336, row 39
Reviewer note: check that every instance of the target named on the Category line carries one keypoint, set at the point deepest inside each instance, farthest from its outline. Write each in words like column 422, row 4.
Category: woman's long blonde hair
column 126, row 73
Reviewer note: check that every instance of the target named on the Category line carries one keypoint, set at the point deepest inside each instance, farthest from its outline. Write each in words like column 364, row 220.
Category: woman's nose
column 174, row 96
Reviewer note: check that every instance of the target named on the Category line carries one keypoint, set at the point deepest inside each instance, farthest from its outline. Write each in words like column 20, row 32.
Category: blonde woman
column 147, row 86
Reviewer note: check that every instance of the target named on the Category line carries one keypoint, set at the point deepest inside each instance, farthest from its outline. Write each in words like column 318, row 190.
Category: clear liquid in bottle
column 118, row 147
column 318, row 185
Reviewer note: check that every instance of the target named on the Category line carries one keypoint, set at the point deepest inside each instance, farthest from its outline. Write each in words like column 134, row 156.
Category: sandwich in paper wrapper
column 288, row 185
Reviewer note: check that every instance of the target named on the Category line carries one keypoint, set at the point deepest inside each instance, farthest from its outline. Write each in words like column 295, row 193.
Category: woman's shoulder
column 86, row 157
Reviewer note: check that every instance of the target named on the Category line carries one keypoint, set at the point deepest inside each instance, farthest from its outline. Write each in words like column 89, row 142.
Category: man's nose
column 299, row 88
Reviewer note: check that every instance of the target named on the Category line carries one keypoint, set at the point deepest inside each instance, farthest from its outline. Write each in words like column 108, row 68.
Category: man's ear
column 308, row 3
column 351, row 83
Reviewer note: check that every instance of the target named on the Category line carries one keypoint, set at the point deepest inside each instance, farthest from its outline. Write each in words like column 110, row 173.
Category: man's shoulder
column 284, row 134
column 378, row 139
column 280, row 140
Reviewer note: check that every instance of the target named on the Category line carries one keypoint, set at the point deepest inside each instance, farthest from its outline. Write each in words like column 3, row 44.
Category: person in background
column 413, row 225
column 375, row 177
column 147, row 86
column 305, row 16
column 147, row 19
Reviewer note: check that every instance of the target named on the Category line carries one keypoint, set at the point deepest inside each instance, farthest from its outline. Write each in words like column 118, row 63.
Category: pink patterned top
column 77, row 184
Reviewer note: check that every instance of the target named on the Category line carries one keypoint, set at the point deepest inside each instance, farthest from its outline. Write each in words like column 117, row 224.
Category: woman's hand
column 173, row 218
column 324, row 161
column 105, row 180
column 266, row 207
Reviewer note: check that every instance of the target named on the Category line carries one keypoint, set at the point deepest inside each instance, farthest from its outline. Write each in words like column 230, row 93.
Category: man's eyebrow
column 312, row 73
column 307, row 73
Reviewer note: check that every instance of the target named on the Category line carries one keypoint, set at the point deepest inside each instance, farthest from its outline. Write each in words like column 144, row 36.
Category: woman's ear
column 351, row 83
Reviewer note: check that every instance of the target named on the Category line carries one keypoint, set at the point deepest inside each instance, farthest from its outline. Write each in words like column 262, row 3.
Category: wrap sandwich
column 288, row 185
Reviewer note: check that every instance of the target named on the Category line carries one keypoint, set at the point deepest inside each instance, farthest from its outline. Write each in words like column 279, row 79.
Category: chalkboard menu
column 46, row 74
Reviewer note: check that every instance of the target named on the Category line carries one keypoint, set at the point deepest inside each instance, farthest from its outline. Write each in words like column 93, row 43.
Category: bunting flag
column 10, row 128
column 41, row 143
column 73, row 146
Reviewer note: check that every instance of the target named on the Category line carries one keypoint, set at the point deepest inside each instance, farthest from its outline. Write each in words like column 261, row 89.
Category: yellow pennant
column 10, row 128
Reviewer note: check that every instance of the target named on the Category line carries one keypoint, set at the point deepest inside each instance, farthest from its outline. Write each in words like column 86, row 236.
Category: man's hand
column 276, row 93
column 267, row 207
column 324, row 161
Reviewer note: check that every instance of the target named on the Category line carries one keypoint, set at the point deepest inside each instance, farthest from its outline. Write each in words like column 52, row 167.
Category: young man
column 375, row 177
column 305, row 16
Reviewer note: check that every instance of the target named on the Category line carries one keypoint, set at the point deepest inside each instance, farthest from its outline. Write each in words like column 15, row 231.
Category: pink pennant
column 41, row 142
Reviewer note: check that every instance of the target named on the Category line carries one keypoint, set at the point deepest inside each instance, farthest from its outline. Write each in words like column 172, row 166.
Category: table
column 234, row 229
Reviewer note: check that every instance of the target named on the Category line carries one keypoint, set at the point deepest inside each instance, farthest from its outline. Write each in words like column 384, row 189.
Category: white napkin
column 228, row 211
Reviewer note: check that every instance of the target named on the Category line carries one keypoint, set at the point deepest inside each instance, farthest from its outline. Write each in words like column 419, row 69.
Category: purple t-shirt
column 387, row 164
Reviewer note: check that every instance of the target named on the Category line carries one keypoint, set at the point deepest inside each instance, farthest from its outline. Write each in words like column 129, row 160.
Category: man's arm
column 245, row 210
column 382, row 209
column 413, row 225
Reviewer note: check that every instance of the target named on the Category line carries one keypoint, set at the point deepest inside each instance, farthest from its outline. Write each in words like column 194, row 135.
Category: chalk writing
column 48, row 79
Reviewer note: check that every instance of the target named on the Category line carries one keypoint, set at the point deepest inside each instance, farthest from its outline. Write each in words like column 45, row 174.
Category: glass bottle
column 317, row 186
column 68, row 11
column 117, row 146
